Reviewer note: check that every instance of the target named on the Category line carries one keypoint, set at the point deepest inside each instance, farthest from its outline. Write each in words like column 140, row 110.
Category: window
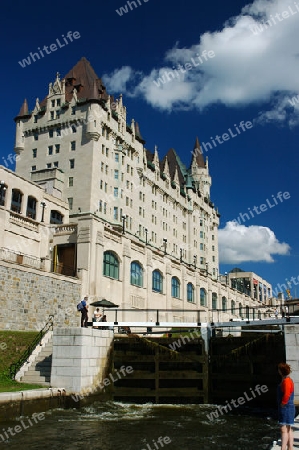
column 70, row 201
column 240, row 310
column 34, row 153
column 214, row 300
column 55, row 163
column 190, row 292
column 224, row 304
column 52, row 103
column 111, row 265
column 51, row 133
column 74, row 129
column 58, row 102
column 58, row 132
column 36, row 137
column 35, row 119
column 116, row 174
column 33, row 168
column 56, row 217
column 57, row 148
column 157, row 281
column 57, row 114
column 175, row 287
column 213, row 237
column 50, row 150
column 73, row 111
column 16, row 200
column 115, row 213
column 51, row 115
column 73, row 145
column 116, row 157
column 49, row 165
column 72, row 163
column 201, row 235
column 31, row 207
column 201, row 246
column 115, row 192
column 203, row 297
column 233, row 307
column 136, row 274
column 71, row 181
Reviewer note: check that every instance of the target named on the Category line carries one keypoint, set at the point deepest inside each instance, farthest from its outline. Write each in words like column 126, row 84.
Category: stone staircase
column 39, row 371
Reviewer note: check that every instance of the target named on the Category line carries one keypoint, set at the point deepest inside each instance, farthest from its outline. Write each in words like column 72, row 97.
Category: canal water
column 119, row 426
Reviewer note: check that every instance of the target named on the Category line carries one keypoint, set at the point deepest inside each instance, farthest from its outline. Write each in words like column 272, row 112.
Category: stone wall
column 291, row 333
column 79, row 358
column 28, row 296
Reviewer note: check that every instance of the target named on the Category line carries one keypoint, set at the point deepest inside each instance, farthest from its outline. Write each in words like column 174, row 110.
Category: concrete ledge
column 6, row 397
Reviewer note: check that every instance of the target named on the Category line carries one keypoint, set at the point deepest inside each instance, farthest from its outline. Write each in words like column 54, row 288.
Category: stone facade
column 28, row 296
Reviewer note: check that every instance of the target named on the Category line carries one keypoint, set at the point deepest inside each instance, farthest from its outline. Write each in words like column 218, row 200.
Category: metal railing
column 15, row 367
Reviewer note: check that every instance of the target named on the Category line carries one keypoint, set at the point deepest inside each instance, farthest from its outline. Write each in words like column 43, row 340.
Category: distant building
column 138, row 229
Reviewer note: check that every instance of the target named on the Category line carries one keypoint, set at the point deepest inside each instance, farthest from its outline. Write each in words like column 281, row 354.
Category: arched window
column 247, row 312
column 136, row 274
column 56, row 216
column 111, row 265
column 16, row 200
column 3, row 188
column 203, row 297
column 240, row 310
column 190, row 292
column 224, row 304
column 175, row 287
column 31, row 207
column 157, row 283
column 214, row 300
column 233, row 308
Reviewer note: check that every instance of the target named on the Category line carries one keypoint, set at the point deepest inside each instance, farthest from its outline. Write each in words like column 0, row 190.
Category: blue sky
column 220, row 64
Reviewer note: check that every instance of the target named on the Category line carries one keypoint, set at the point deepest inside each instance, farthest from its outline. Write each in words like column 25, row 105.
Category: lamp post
column 2, row 190
column 124, row 222
column 146, row 231
column 43, row 205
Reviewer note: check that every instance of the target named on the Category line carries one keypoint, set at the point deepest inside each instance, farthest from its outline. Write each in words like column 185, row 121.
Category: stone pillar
column 291, row 335
column 79, row 358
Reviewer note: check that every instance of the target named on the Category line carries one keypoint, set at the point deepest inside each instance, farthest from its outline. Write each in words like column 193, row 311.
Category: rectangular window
column 105, row 189
column 33, row 168
column 115, row 192
column 72, row 163
column 101, row 184
column 74, row 129
column 50, row 150
column 51, row 133
column 57, row 148
column 201, row 234
column 116, row 157
column 71, row 181
column 115, row 213
column 70, row 201
column 213, row 237
column 128, row 168
column 51, row 115
column 55, row 163
column 127, row 201
column 116, row 174
column 36, row 137
column 73, row 145
column 34, row 153
column 106, row 170
column 58, row 132
column 102, row 167
column 52, row 103
column 105, row 208
column 107, row 151
column 73, row 112
column 100, row 205
column 57, row 114
column 58, row 102
column 35, row 119
column 49, row 165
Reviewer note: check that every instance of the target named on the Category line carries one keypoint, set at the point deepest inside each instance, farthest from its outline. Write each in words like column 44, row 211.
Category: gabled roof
column 174, row 163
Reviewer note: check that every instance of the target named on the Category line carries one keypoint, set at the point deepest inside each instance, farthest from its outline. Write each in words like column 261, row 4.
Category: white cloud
column 238, row 243
column 117, row 80
column 251, row 66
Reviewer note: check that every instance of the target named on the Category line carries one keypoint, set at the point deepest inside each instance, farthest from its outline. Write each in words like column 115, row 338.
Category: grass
column 12, row 346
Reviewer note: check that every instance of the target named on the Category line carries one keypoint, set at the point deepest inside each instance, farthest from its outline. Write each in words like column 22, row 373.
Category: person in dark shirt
column 84, row 312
